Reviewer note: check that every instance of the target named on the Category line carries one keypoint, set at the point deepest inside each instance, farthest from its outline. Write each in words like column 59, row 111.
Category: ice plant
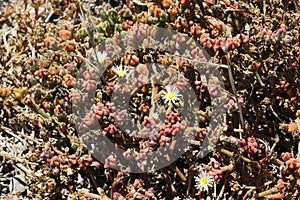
column 203, row 181
column 40, row 80
column 171, row 95
column 120, row 70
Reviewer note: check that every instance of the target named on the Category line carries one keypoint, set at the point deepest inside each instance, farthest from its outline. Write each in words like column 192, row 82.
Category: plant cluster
column 140, row 75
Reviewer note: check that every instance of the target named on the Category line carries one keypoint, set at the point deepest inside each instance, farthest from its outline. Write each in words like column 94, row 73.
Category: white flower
column 203, row 181
column 154, row 115
column 40, row 185
column 69, row 171
column 120, row 70
column 176, row 198
column 171, row 95
column 39, row 173
column 101, row 57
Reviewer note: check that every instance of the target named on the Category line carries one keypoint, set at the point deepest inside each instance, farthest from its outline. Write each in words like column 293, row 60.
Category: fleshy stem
column 39, row 110
column 31, row 103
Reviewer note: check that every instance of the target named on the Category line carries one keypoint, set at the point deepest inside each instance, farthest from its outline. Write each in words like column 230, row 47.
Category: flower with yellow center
column 39, row 173
column 171, row 94
column 101, row 56
column 69, row 171
column 204, row 181
column 120, row 70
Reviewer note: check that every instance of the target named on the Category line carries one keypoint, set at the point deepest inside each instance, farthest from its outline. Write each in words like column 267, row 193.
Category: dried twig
column 190, row 178
column 49, row 16
column 5, row 41
column 296, row 5
column 169, row 183
column 31, row 47
column 139, row 3
column 178, row 172
column 228, row 153
column 231, row 80
column 21, row 134
column 24, row 169
column 99, row 189
column 275, row 114
column 222, row 191
column 259, row 79
column 268, row 192
column 200, row 62
column 95, row 196
column 17, row 159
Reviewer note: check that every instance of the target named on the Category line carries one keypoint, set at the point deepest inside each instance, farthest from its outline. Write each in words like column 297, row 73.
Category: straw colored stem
column 268, row 192
column 178, row 172
column 99, row 189
column 228, row 153
column 21, row 134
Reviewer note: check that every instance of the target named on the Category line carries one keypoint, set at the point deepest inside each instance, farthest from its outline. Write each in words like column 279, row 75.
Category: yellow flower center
column 204, row 181
column 121, row 73
column 101, row 60
column 171, row 95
